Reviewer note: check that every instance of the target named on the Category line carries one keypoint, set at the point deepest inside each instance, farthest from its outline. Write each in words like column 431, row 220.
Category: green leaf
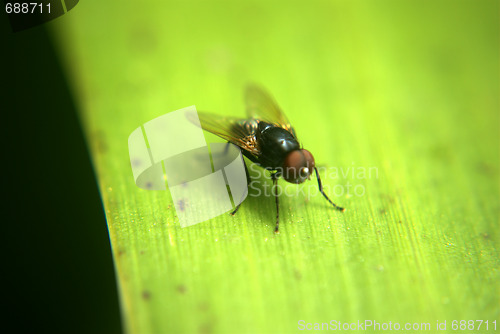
column 406, row 92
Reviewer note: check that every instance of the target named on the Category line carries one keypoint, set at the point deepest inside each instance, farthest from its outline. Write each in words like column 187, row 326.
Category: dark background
column 59, row 269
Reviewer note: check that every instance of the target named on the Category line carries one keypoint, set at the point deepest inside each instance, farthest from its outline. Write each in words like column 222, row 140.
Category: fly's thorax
column 275, row 144
column 263, row 126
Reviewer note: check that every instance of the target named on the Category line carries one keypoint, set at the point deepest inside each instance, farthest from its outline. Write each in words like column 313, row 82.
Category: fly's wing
column 260, row 105
column 240, row 132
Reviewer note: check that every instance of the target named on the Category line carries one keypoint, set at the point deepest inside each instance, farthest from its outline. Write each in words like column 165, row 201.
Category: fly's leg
column 248, row 183
column 321, row 191
column 235, row 210
column 275, row 192
column 226, row 149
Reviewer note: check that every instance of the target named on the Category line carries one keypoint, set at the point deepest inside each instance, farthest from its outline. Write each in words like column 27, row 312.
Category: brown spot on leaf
column 181, row 288
column 205, row 328
column 100, row 143
column 388, row 198
column 203, row 307
column 297, row 274
column 143, row 38
column 181, row 204
column 441, row 153
column 485, row 169
column 146, row 295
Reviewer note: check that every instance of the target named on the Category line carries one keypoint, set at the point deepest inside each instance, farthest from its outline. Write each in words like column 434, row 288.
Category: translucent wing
column 261, row 105
column 240, row 132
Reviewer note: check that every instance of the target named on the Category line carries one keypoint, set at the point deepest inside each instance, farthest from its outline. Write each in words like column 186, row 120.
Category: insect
column 266, row 138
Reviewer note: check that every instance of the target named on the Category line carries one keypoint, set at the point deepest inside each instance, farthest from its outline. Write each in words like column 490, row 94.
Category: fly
column 266, row 138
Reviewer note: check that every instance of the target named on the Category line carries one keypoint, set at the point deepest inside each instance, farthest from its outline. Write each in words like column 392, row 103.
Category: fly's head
column 298, row 166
